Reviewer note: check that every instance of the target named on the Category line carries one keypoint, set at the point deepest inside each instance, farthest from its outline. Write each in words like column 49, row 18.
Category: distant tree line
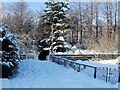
column 93, row 24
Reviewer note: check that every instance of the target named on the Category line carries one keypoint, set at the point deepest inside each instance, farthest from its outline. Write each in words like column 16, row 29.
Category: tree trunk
column 97, row 27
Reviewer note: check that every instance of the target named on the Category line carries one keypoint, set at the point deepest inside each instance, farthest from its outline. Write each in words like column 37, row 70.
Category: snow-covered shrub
column 9, row 52
column 60, row 45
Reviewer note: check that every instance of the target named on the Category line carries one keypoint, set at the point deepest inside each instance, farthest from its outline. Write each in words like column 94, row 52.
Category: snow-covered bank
column 101, row 63
column 45, row 74
column 112, row 61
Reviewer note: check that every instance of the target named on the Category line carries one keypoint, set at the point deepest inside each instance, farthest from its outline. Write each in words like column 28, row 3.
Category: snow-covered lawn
column 45, row 74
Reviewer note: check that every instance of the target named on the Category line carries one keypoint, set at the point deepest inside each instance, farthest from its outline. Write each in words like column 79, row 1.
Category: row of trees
column 22, row 22
column 93, row 24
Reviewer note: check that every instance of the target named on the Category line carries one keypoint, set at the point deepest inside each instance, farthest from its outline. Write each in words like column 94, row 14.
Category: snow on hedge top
column 1, row 29
column 65, row 9
column 8, row 35
column 46, row 48
column 58, row 24
column 11, row 37
column 60, row 12
column 57, row 46
column 61, row 38
column 67, row 45
column 58, row 31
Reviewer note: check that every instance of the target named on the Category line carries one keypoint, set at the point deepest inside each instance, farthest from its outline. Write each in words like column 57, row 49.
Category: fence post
column 78, row 68
column 108, row 75
column 119, row 74
column 51, row 58
column 95, row 72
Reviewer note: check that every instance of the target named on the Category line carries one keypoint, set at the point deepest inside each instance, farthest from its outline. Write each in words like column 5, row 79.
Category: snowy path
column 45, row 74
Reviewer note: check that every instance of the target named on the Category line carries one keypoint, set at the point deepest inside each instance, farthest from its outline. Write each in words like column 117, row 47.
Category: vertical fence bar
column 107, row 75
column 64, row 62
column 52, row 59
column 78, row 68
column 74, row 66
column 95, row 72
column 119, row 74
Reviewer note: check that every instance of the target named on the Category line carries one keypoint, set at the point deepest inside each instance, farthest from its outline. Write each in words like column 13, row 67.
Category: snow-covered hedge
column 9, row 51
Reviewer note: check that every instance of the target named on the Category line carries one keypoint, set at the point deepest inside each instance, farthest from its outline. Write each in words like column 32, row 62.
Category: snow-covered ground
column 110, row 62
column 45, row 74
column 100, row 63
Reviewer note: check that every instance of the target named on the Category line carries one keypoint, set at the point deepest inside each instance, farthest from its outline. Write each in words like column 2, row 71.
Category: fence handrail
column 85, row 54
column 77, row 66
column 80, row 63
